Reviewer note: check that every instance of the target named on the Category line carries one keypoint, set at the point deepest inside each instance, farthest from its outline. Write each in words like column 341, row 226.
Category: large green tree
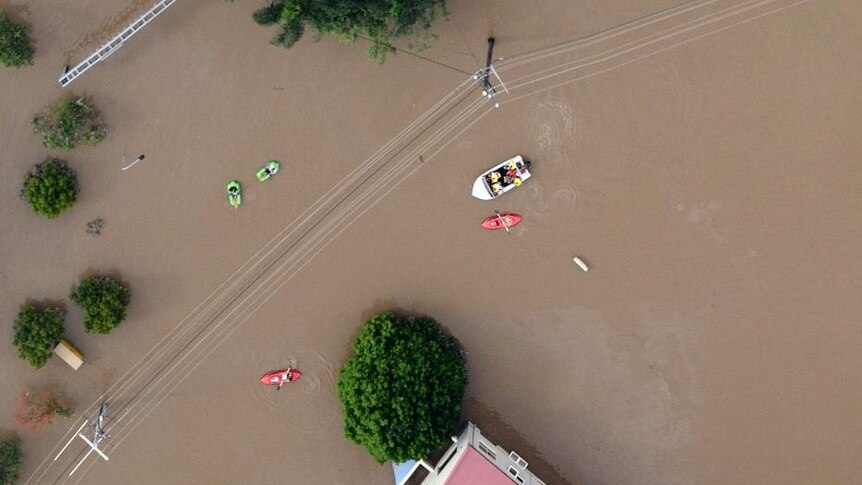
column 36, row 333
column 50, row 188
column 401, row 391
column 16, row 50
column 103, row 301
column 10, row 462
column 380, row 21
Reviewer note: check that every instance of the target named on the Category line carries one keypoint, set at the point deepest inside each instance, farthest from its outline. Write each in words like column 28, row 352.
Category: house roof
column 474, row 469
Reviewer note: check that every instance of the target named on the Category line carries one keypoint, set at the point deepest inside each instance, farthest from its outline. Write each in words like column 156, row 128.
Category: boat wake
column 550, row 122
column 314, row 393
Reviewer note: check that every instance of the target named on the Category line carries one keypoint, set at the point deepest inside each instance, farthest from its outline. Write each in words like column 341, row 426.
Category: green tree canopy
column 50, row 188
column 402, row 389
column 16, row 50
column 36, row 334
column 103, row 301
column 70, row 124
column 380, row 21
column 10, row 462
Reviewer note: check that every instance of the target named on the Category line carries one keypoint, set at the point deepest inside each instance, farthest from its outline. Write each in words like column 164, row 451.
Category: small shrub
column 103, row 301
column 10, row 462
column 94, row 227
column 16, row 50
column 51, row 188
column 70, row 124
column 36, row 334
column 36, row 411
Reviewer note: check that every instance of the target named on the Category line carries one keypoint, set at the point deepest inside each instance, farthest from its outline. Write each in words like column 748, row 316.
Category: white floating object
column 69, row 354
column 580, row 262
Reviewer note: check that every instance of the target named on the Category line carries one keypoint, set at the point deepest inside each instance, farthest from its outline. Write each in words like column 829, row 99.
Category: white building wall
column 509, row 463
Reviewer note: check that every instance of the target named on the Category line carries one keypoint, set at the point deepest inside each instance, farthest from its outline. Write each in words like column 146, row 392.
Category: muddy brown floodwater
column 702, row 157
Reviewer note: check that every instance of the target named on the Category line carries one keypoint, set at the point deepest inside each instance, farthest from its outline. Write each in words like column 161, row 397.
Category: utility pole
column 488, row 62
column 483, row 77
column 99, row 434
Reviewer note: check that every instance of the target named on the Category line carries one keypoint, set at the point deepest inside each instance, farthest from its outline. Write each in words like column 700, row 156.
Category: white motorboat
column 501, row 178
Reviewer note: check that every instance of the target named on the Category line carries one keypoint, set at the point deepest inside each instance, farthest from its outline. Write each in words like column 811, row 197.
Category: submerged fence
column 106, row 50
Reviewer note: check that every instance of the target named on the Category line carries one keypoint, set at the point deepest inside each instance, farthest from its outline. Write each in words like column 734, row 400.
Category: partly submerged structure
column 473, row 459
column 69, row 354
column 106, row 50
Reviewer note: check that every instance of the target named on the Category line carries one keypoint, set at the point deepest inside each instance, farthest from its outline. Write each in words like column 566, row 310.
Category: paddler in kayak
column 285, row 378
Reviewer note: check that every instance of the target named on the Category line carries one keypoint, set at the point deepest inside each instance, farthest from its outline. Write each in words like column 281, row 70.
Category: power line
column 398, row 49
column 466, row 42
column 549, row 47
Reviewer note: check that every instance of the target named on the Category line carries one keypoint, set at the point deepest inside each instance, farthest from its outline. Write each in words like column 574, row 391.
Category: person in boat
column 494, row 177
column 285, row 378
column 513, row 169
column 517, row 181
column 233, row 190
column 496, row 188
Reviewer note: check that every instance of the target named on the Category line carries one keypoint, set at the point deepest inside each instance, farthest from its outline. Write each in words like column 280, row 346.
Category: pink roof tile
column 474, row 469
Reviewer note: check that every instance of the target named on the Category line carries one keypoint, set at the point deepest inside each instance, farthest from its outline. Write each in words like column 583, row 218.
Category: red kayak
column 501, row 221
column 280, row 377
